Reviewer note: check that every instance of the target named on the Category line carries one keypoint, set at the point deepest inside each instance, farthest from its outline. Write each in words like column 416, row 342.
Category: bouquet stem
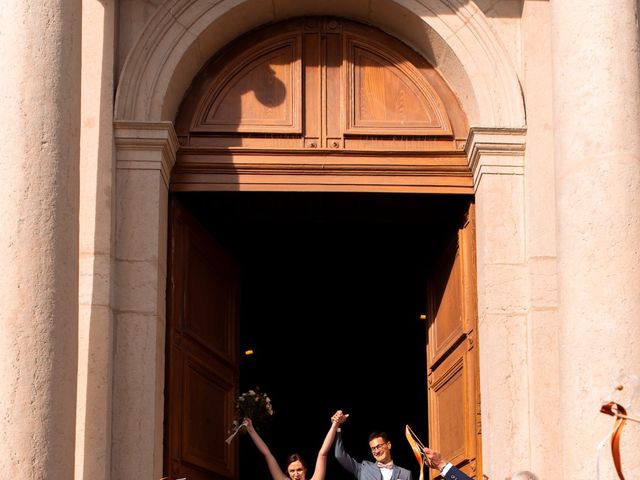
column 234, row 433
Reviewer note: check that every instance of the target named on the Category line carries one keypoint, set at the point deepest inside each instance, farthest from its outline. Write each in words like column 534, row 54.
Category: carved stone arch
column 453, row 34
column 335, row 99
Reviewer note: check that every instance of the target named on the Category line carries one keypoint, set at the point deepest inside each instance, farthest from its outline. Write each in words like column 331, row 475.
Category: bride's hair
column 296, row 457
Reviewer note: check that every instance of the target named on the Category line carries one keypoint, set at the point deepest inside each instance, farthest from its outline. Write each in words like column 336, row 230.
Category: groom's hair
column 382, row 435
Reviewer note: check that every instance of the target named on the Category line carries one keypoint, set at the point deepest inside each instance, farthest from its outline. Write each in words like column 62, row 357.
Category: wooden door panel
column 210, row 297
column 258, row 92
column 312, row 51
column 453, row 406
column 389, row 95
column 205, row 395
column 446, row 305
column 333, row 101
column 448, row 394
column 202, row 353
column 454, row 398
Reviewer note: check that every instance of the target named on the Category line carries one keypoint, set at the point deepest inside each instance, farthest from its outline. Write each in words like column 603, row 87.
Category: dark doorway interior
column 333, row 285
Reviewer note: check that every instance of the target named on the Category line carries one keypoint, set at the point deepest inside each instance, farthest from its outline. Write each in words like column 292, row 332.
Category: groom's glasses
column 375, row 448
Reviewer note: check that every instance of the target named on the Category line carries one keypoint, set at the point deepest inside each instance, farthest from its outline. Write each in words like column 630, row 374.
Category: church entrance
column 332, row 238
column 332, row 293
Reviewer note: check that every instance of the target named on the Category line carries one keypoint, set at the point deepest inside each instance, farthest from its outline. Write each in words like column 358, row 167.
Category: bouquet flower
column 252, row 404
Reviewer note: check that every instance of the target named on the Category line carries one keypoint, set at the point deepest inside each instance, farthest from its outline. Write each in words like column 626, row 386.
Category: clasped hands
column 339, row 417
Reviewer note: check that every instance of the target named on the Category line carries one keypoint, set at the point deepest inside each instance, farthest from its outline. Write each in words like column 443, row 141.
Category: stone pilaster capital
column 498, row 151
column 145, row 146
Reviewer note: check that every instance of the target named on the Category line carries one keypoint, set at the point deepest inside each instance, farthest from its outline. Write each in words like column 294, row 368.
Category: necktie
column 385, row 465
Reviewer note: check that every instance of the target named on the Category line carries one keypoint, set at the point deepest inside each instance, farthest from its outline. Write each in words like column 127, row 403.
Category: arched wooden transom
column 321, row 103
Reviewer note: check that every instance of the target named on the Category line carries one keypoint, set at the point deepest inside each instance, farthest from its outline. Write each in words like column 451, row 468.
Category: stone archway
column 455, row 37
column 173, row 47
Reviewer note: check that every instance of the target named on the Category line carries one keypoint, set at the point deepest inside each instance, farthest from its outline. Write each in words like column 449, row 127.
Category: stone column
column 596, row 95
column 40, row 112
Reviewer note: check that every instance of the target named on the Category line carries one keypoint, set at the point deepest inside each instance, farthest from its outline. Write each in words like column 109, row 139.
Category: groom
column 380, row 449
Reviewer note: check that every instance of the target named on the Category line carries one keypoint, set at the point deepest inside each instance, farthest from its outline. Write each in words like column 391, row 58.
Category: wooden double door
column 334, row 107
